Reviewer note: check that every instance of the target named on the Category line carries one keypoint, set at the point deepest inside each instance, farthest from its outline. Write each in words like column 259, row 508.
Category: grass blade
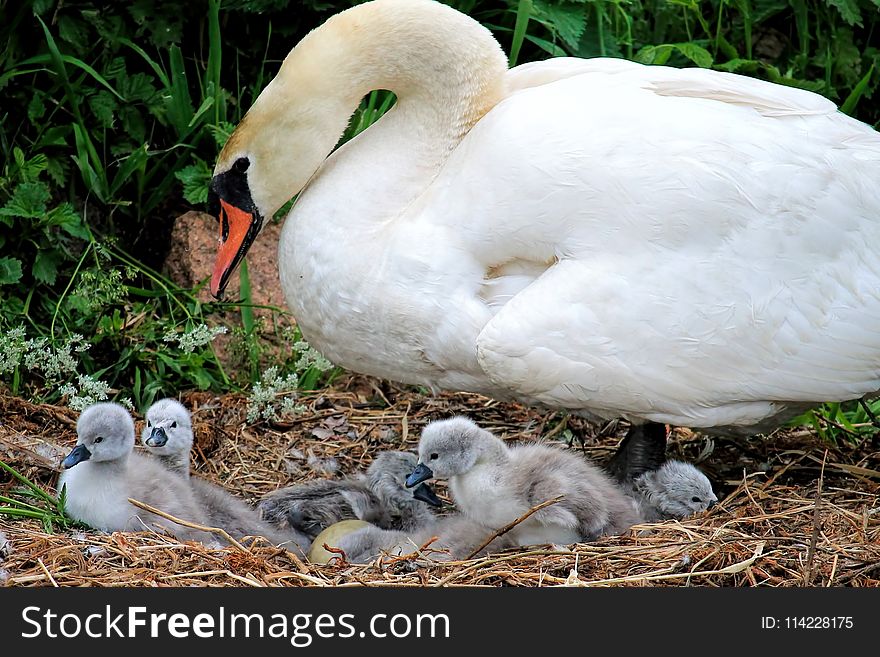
column 215, row 51
column 38, row 492
column 180, row 108
column 67, row 59
column 523, row 14
column 150, row 61
column 849, row 105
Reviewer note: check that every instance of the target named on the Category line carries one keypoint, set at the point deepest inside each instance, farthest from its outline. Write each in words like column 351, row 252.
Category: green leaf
column 28, row 200
column 546, row 46
column 29, row 169
column 36, row 108
column 56, row 136
column 116, row 69
column 848, row 9
column 734, row 65
column 195, row 178
column 103, row 106
column 58, row 59
column 45, row 267
column 597, row 40
column 204, row 107
column 69, row 220
column 10, row 270
column 215, row 56
column 224, row 130
column 86, row 155
column 849, row 105
column 58, row 168
column 659, row 55
column 74, row 31
column 160, row 74
column 133, row 123
column 138, row 87
column 567, row 21
column 523, row 13
column 178, row 101
column 697, row 54
column 136, row 161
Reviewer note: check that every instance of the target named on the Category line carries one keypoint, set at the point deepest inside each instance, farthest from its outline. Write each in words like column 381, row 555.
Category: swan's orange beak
column 229, row 198
column 235, row 228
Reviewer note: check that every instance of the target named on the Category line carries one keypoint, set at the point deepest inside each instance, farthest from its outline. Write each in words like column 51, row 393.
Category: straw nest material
column 795, row 510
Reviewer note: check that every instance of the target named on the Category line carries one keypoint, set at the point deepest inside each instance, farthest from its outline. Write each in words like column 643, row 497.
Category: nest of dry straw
column 794, row 510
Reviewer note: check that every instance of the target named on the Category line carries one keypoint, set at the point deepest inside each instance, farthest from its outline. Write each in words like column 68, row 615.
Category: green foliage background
column 113, row 113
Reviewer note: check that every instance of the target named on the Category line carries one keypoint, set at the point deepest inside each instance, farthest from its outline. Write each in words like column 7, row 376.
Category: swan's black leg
column 642, row 449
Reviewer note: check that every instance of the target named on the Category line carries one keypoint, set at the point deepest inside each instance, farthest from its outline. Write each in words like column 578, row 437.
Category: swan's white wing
column 707, row 242
column 768, row 99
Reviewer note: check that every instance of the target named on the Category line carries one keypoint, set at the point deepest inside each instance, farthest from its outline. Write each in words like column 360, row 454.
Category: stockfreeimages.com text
column 299, row 629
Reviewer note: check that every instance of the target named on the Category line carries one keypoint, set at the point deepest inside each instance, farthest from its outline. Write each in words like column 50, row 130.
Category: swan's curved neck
column 445, row 68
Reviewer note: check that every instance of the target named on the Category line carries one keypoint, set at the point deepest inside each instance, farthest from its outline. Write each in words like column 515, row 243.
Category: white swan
column 681, row 246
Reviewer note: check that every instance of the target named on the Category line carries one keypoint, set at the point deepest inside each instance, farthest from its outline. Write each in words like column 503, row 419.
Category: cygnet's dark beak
column 711, row 504
column 420, row 474
column 426, row 494
column 157, row 438
column 79, row 454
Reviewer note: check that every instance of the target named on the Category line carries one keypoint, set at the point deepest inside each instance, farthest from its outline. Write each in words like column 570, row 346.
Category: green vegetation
column 848, row 423
column 29, row 500
column 114, row 112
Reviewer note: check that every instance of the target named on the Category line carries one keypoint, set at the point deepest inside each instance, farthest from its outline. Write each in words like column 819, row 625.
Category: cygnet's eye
column 99, row 439
column 148, row 424
column 696, row 499
column 434, row 456
column 174, row 425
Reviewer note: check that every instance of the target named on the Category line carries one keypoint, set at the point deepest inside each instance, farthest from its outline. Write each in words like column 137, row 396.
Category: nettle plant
column 42, row 235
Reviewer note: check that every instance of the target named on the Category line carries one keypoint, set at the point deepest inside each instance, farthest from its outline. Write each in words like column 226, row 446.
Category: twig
column 858, row 573
column 870, row 413
column 811, row 550
column 509, row 526
column 48, row 574
column 187, row 523
column 662, row 576
column 335, row 550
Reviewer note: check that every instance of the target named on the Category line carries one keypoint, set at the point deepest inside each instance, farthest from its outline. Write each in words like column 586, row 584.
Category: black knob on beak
column 157, row 438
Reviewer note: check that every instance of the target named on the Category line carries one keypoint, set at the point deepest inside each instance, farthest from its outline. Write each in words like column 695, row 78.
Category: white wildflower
column 12, row 348
column 308, row 356
column 88, row 391
column 290, row 407
column 199, row 335
column 101, row 287
column 272, row 393
column 52, row 361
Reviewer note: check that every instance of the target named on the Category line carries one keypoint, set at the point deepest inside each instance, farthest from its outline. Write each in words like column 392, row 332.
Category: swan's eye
column 241, row 165
column 174, row 424
column 696, row 499
column 434, row 456
column 99, row 439
column 148, row 424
